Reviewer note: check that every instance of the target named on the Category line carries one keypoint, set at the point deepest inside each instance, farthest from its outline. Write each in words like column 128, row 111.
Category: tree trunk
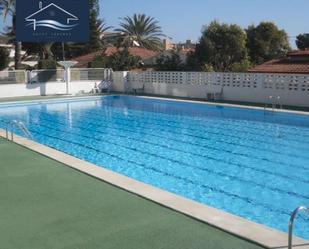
column 48, row 55
column 17, row 55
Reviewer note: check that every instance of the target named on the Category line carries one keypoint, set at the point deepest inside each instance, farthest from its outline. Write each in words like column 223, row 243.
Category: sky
column 184, row 19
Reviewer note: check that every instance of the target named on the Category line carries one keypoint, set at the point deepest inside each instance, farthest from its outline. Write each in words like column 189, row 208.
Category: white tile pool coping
column 87, row 97
column 260, row 234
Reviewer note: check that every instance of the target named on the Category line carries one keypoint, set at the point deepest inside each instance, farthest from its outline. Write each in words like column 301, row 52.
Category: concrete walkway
column 44, row 204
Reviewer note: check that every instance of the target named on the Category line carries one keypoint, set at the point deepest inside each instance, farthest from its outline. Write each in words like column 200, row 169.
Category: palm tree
column 142, row 31
column 97, row 29
column 7, row 7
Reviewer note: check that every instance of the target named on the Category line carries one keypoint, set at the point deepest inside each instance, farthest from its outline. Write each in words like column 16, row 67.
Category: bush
column 4, row 58
column 242, row 66
column 50, row 73
column 170, row 62
column 99, row 62
column 206, row 67
column 302, row 41
column 123, row 61
column 47, row 64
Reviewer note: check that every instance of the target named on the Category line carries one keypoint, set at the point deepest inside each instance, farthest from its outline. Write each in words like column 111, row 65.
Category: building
column 188, row 45
column 296, row 62
column 147, row 56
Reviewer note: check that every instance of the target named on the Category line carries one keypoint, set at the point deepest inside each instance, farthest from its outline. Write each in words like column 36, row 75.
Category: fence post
column 67, row 79
column 26, row 76
column 67, row 73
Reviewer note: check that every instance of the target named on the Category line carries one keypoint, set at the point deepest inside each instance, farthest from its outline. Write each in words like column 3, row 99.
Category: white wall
column 245, row 87
column 292, row 89
column 50, row 88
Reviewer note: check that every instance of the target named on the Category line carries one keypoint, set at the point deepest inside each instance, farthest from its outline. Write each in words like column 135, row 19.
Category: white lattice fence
column 286, row 82
column 239, row 80
column 293, row 89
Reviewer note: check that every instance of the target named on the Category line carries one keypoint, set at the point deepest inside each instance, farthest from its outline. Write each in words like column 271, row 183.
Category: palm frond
column 141, row 29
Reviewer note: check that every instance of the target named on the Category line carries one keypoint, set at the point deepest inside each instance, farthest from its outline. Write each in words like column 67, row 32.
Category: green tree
column 170, row 62
column 193, row 64
column 140, row 30
column 121, row 60
column 302, row 41
column 242, row 66
column 100, row 62
column 96, row 27
column 221, row 47
column 7, row 8
column 266, row 42
column 4, row 58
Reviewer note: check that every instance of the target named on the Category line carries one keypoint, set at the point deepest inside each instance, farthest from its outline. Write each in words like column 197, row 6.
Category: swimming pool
column 250, row 163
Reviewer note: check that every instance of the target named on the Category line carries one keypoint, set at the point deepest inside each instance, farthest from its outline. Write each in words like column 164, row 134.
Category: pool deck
column 45, row 204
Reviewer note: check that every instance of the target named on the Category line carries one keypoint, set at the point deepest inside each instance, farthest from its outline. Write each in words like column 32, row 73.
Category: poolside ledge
column 262, row 235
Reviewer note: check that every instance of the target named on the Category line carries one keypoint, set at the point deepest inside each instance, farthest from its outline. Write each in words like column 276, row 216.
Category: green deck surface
column 44, row 204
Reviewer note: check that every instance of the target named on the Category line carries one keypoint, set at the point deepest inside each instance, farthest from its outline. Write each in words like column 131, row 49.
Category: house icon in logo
column 52, row 16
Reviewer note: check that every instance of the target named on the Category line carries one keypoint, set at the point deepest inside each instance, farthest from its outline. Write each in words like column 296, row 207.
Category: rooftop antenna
column 40, row 5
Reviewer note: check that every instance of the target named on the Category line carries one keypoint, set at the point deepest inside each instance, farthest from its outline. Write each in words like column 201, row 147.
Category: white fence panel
column 91, row 74
column 46, row 75
column 12, row 77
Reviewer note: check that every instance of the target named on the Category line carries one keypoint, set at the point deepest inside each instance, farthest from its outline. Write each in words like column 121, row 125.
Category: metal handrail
column 279, row 103
column 274, row 102
column 17, row 124
column 291, row 223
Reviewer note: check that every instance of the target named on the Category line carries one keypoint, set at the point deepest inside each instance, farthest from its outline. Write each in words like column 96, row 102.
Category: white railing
column 12, row 77
column 46, row 75
column 91, row 74
column 242, row 87
column 55, row 75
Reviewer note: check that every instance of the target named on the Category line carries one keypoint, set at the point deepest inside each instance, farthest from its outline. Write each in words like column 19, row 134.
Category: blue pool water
column 250, row 163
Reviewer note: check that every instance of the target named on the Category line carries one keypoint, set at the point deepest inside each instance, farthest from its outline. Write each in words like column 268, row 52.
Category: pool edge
column 193, row 101
column 240, row 227
column 248, row 107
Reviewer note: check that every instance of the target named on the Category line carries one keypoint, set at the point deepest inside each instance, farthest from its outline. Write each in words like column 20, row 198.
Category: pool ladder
column 291, row 223
column 17, row 124
column 274, row 103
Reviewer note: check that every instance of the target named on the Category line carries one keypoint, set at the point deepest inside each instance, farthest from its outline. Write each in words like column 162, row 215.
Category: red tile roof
column 282, row 66
column 303, row 53
column 140, row 52
column 85, row 59
column 143, row 53
column 297, row 62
